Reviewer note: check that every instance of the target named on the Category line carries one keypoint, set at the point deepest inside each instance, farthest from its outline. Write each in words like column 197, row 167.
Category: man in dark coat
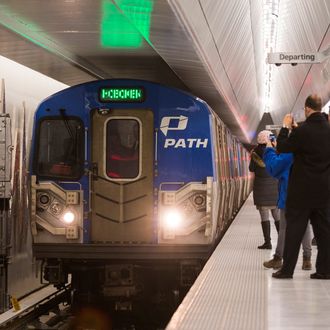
column 309, row 187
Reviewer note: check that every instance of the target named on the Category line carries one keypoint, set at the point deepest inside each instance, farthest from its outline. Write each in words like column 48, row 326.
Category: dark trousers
column 297, row 220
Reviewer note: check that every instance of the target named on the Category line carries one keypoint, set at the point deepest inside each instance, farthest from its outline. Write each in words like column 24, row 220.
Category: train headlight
column 68, row 217
column 173, row 219
column 43, row 200
column 199, row 201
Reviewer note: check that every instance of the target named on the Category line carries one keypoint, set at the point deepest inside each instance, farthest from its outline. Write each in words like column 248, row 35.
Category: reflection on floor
column 235, row 291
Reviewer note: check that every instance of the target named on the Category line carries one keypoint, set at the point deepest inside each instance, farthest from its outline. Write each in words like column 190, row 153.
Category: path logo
column 181, row 122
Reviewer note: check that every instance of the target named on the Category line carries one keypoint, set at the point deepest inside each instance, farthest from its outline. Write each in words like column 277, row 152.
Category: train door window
column 60, row 146
column 226, row 154
column 222, row 147
column 219, row 132
column 123, row 148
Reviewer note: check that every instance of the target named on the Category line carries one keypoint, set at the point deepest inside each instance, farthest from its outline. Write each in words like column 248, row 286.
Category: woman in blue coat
column 278, row 166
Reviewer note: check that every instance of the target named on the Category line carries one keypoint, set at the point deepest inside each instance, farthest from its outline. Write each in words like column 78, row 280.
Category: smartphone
column 272, row 137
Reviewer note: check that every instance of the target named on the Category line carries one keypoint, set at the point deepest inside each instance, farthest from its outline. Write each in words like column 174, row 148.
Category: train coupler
column 55, row 274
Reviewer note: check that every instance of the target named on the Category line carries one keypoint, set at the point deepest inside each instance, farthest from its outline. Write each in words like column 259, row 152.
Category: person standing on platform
column 265, row 191
column 278, row 166
column 309, row 187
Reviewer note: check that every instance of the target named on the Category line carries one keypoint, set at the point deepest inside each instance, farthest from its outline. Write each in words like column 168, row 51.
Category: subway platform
column 234, row 290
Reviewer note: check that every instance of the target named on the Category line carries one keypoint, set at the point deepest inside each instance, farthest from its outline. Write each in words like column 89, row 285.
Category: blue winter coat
column 278, row 166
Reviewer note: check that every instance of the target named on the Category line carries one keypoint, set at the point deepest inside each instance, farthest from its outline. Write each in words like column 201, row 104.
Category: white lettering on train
column 186, row 143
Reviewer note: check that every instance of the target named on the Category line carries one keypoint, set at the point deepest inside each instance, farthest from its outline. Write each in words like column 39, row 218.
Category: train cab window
column 123, row 148
column 60, row 148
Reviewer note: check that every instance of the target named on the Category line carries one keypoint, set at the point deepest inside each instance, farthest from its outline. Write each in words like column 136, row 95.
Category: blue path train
column 131, row 181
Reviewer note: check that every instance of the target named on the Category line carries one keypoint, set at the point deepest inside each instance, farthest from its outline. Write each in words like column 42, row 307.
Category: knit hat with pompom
column 263, row 137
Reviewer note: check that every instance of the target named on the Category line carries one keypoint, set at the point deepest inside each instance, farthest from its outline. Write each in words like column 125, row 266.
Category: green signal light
column 127, row 26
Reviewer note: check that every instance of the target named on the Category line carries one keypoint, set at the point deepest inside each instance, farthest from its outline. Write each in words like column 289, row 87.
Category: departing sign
column 295, row 58
column 298, row 58
column 273, row 127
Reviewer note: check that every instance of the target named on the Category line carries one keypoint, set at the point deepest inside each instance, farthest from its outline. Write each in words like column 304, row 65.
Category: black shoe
column 318, row 276
column 265, row 246
column 280, row 274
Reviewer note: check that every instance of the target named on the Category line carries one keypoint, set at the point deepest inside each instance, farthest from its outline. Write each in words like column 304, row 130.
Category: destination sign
column 121, row 94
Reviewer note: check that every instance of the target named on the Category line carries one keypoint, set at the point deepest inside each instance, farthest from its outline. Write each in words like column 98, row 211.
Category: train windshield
column 60, row 148
column 123, row 145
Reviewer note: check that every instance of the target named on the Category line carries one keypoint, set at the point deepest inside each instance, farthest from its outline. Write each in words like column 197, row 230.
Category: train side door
column 122, row 184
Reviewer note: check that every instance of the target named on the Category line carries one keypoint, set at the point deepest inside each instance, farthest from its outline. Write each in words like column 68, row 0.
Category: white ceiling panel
column 212, row 48
column 303, row 26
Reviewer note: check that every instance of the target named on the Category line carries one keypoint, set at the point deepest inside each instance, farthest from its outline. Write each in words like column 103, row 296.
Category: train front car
column 121, row 189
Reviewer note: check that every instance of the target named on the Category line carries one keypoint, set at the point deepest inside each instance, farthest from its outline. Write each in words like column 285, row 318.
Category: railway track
column 50, row 311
